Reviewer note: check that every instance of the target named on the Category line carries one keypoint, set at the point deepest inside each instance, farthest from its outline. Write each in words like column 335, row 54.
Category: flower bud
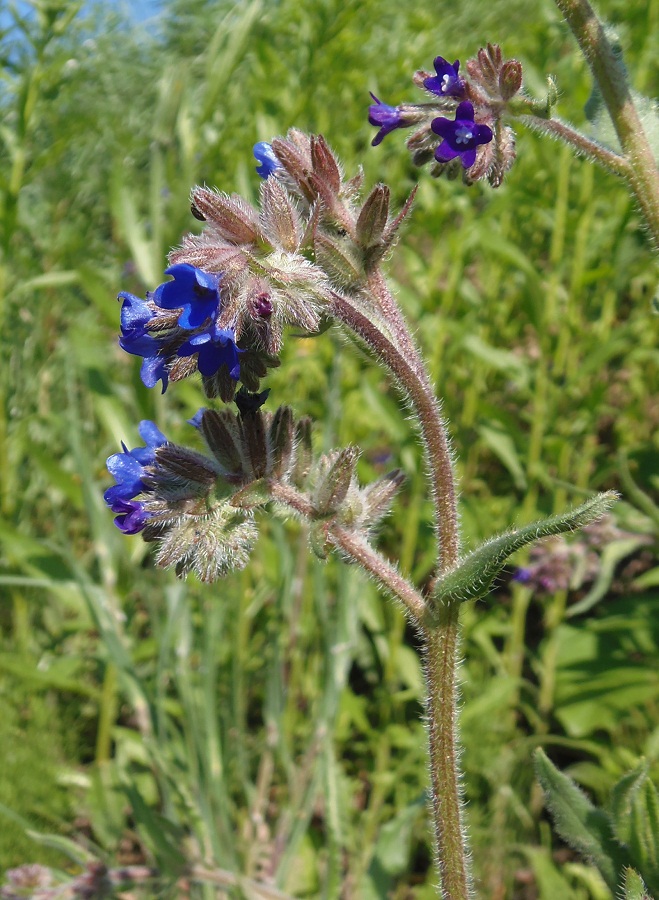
column 303, row 452
column 373, row 217
column 281, row 439
column 220, row 431
column 333, row 479
column 209, row 545
column 379, row 495
column 234, row 218
column 510, row 78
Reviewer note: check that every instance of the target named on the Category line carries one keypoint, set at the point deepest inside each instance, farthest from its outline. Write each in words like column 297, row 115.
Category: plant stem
column 359, row 551
column 609, row 74
column 441, row 660
column 407, row 367
column 608, row 159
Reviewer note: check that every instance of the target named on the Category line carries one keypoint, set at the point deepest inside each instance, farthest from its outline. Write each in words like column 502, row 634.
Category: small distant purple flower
column 128, row 470
column 194, row 291
column 216, row 347
column 447, row 82
column 135, row 315
column 265, row 155
column 522, row 575
column 386, row 118
column 461, row 137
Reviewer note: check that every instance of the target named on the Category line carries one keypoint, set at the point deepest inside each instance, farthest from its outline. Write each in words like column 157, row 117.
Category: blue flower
column 265, row 155
column 216, row 347
column 447, row 82
column 193, row 291
column 385, row 117
column 128, row 469
column 135, row 316
column 461, row 137
column 132, row 516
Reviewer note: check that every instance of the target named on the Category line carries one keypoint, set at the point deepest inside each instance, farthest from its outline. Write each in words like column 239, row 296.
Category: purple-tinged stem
column 359, row 551
column 440, row 638
column 404, row 362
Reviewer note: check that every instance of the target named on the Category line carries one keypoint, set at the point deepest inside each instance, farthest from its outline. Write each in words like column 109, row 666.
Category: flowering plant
column 312, row 253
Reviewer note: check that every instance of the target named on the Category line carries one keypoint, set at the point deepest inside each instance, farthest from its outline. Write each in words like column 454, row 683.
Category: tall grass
column 269, row 728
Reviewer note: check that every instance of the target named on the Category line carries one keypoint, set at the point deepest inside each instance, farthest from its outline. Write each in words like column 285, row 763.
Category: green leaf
column 503, row 447
column 611, row 555
column 634, row 807
column 584, row 827
column 473, row 576
column 633, row 886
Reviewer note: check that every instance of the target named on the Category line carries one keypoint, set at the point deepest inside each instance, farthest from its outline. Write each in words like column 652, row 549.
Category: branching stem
column 609, row 74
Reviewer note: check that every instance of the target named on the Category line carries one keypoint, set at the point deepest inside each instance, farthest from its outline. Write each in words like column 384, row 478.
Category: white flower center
column 463, row 135
column 446, row 83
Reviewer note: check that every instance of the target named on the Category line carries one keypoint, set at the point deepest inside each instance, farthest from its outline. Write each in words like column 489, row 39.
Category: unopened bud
column 335, row 474
column 373, row 217
column 253, row 445
column 179, row 473
column 318, row 541
column 379, row 495
column 220, row 431
column 281, row 438
column 510, row 78
column 303, row 452
column 339, row 260
column 233, row 217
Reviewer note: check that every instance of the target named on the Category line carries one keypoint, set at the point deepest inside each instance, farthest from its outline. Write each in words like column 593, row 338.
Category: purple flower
column 193, row 291
column 132, row 517
column 128, row 470
column 461, row 137
column 385, row 117
column 447, row 82
column 265, row 155
column 135, row 316
column 216, row 347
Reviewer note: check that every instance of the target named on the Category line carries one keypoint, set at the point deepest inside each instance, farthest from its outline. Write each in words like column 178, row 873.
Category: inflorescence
column 475, row 142
column 309, row 246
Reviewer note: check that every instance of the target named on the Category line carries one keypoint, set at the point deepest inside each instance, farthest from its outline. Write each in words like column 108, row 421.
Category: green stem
column 440, row 636
column 609, row 74
column 608, row 159
column 441, row 658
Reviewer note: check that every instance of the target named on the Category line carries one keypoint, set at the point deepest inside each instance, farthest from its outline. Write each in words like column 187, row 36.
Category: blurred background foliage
column 270, row 726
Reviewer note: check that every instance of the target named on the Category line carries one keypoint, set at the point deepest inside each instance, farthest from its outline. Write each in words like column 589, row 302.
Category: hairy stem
column 609, row 74
column 357, row 550
column 404, row 362
column 441, row 660
column 608, row 159
column 440, row 636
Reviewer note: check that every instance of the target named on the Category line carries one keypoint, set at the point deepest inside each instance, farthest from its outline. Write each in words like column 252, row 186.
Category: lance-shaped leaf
column 581, row 824
column 634, row 889
column 634, row 806
column 473, row 576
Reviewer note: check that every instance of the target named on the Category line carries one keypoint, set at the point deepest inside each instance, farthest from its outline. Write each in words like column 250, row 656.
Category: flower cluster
column 475, row 141
column 234, row 287
column 178, row 321
column 198, row 508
